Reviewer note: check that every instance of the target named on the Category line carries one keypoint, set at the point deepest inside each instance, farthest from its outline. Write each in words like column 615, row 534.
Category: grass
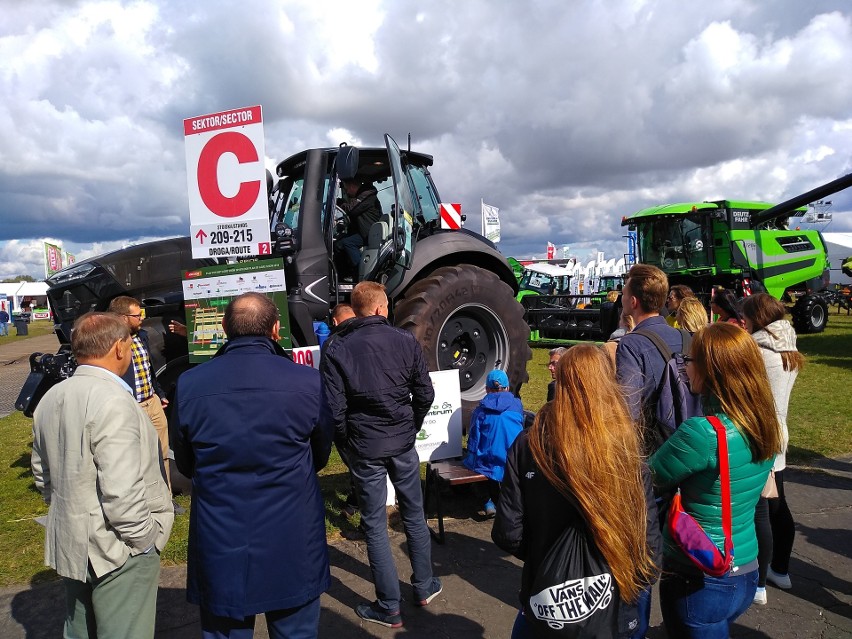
column 819, row 421
column 34, row 329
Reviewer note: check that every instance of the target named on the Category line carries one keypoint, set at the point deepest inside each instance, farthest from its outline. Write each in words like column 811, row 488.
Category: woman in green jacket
column 725, row 366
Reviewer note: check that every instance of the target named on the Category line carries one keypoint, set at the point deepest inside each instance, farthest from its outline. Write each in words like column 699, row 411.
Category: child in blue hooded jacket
column 494, row 425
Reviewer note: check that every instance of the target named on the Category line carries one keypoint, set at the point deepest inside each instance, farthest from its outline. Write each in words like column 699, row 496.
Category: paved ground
column 15, row 366
column 480, row 582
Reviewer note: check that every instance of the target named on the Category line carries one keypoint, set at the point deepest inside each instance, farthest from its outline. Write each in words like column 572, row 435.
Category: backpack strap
column 657, row 341
column 724, row 482
column 660, row 343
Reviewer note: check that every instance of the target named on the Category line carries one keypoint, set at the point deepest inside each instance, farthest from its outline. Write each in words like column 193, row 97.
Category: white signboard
column 226, row 182
column 441, row 435
column 307, row 356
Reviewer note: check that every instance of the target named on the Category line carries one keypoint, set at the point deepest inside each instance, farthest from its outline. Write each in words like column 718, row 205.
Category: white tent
column 19, row 293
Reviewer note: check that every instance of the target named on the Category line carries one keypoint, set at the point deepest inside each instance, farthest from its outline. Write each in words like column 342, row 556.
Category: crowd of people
column 593, row 481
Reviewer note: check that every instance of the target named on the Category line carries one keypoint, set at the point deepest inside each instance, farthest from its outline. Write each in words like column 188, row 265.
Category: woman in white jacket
column 764, row 319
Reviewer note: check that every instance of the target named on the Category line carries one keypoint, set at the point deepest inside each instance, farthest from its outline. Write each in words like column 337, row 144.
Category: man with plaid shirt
column 140, row 377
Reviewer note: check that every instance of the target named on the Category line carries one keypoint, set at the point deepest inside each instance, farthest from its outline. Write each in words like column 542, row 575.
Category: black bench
column 448, row 472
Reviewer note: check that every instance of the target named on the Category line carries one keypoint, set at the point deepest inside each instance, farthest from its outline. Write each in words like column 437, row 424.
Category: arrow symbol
column 201, row 235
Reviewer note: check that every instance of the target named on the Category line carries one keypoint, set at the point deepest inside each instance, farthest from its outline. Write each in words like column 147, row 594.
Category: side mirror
column 347, row 162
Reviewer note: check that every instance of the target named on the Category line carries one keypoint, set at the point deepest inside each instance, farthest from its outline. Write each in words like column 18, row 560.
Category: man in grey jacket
column 96, row 461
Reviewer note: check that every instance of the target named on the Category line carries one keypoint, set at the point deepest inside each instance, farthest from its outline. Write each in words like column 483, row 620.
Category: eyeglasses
column 687, row 358
column 136, row 315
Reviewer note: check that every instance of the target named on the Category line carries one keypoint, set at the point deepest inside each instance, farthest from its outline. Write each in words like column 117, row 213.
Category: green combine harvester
column 744, row 246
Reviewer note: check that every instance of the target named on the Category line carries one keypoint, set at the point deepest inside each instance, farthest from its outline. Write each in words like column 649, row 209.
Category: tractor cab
column 544, row 279
column 308, row 222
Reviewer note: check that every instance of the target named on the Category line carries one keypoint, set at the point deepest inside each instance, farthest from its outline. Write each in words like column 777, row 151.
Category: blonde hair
column 691, row 315
column 728, row 366
column 587, row 446
column 367, row 296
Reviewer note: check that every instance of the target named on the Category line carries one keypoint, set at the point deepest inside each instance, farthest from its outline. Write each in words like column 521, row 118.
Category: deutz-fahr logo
column 573, row 600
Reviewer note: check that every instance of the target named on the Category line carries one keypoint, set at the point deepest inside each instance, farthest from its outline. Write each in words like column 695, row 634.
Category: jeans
column 4, row 328
column 371, row 483
column 352, row 245
column 521, row 629
column 291, row 623
column 702, row 607
column 641, row 615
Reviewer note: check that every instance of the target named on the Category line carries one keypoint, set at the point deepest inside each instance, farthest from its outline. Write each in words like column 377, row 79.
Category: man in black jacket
column 379, row 391
column 363, row 208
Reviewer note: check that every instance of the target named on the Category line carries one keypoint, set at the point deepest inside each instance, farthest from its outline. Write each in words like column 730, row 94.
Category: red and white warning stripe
column 451, row 216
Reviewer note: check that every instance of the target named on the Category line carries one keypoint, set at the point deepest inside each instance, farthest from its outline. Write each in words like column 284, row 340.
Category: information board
column 207, row 291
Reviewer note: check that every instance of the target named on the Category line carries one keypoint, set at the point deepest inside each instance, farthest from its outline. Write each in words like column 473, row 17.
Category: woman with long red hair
column 724, row 365
column 580, row 465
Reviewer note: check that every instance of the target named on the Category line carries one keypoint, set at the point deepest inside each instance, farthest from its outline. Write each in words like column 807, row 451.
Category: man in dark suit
column 251, row 429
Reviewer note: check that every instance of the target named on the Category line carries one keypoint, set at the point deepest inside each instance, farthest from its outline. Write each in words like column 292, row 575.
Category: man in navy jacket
column 251, row 428
column 379, row 391
column 639, row 369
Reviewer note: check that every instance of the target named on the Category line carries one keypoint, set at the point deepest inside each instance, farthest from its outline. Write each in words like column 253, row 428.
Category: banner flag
column 551, row 250
column 52, row 259
column 69, row 259
column 490, row 222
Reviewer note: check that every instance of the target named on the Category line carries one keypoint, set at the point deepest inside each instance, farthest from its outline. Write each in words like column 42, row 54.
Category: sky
column 566, row 116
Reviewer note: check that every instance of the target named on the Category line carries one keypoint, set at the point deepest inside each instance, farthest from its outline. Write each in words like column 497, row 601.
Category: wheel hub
column 472, row 341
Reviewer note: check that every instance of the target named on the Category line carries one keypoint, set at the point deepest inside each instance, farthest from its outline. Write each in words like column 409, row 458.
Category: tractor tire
column 810, row 314
column 467, row 318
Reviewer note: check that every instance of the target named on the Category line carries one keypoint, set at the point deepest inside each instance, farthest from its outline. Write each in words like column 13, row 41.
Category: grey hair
column 95, row 333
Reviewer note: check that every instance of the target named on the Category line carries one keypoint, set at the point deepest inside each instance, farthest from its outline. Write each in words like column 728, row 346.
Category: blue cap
column 497, row 379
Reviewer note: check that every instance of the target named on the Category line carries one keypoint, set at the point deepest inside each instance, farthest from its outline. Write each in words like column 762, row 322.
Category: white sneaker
column 760, row 596
column 782, row 581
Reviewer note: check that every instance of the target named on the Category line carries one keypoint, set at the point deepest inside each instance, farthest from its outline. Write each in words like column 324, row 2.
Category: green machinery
column 744, row 246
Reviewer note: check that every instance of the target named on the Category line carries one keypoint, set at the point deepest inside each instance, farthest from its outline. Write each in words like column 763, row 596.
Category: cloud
column 566, row 116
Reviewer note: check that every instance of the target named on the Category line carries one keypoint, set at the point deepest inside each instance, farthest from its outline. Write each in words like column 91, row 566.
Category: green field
column 34, row 329
column 820, row 425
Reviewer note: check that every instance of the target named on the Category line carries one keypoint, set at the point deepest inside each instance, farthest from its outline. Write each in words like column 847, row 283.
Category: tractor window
column 384, row 190
column 426, row 194
column 287, row 200
column 543, row 284
column 675, row 243
column 660, row 241
column 696, row 244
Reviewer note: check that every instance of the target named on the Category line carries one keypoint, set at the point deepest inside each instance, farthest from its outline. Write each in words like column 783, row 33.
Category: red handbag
column 688, row 533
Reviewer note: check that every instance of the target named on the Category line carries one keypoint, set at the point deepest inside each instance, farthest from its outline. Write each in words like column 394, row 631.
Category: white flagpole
column 482, row 217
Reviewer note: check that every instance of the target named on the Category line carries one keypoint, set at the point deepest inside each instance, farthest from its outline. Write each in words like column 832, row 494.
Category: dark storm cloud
column 565, row 115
